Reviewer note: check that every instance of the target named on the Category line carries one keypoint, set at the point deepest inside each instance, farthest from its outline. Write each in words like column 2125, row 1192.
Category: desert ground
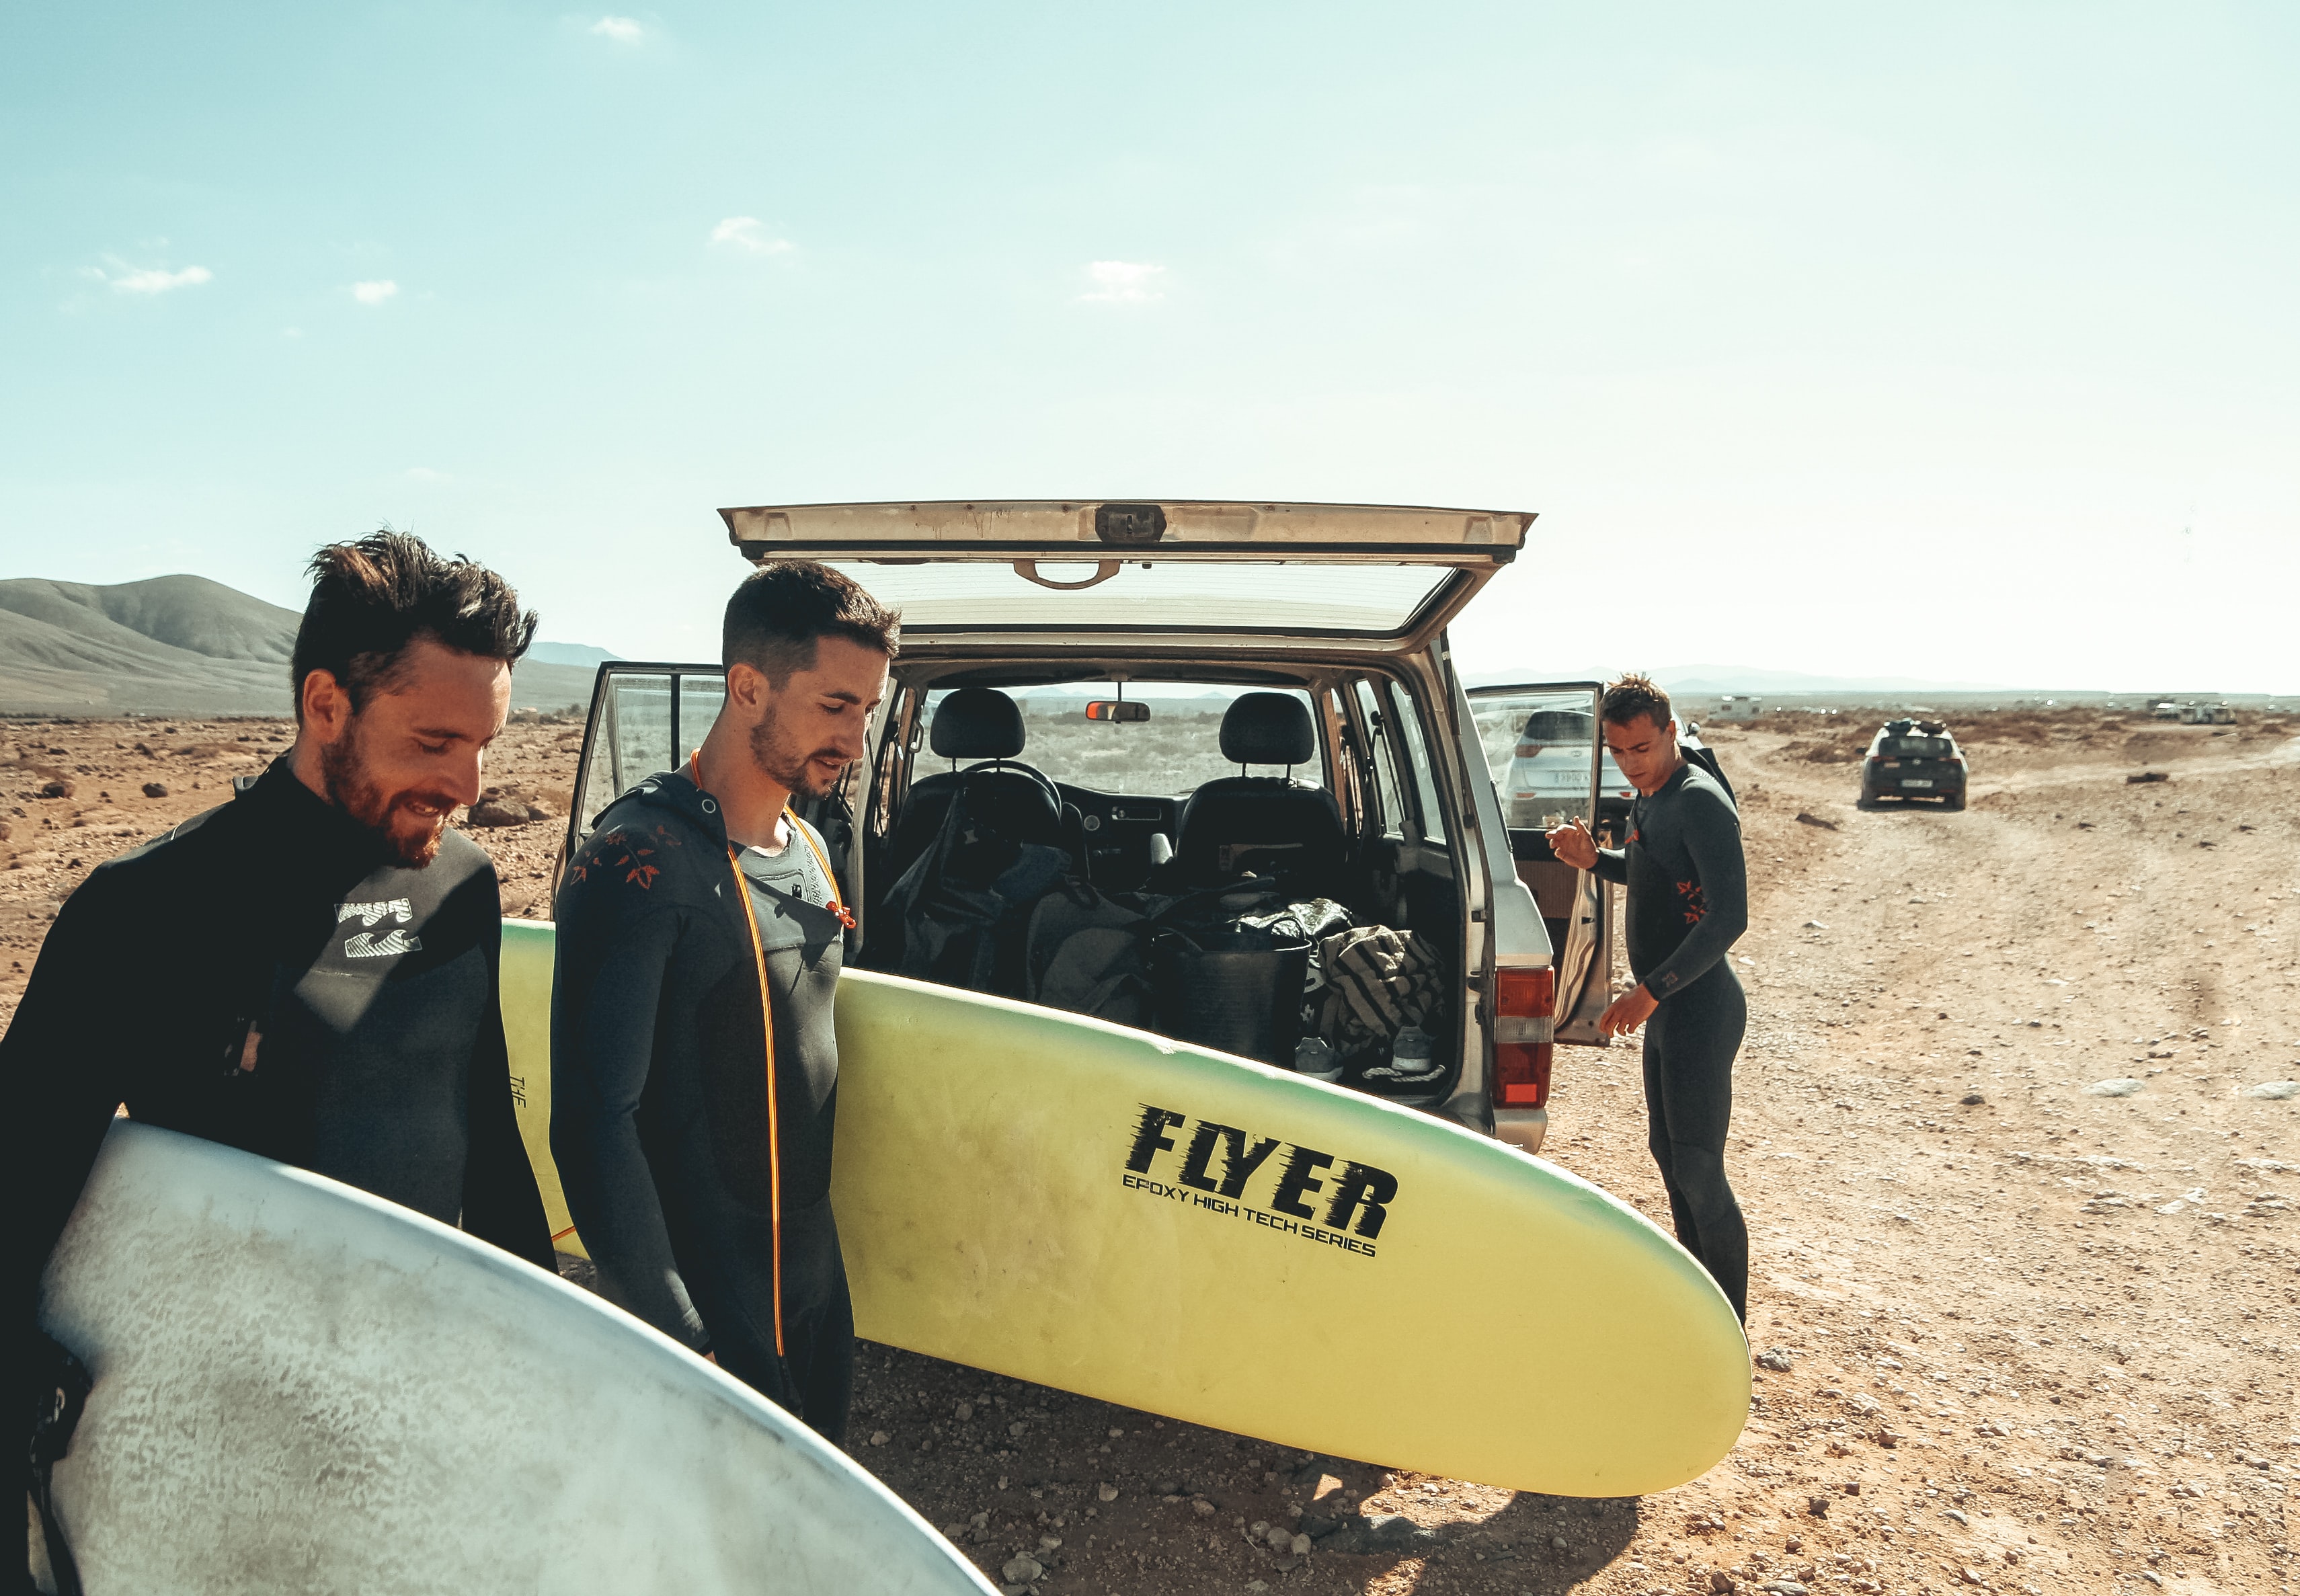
column 2025, row 1290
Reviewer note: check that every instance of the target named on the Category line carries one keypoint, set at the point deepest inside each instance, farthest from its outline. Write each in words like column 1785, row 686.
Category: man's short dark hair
column 372, row 597
column 780, row 610
column 1631, row 697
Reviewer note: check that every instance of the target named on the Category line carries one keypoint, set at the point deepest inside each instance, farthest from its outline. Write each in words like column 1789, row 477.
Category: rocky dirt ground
column 2024, row 1277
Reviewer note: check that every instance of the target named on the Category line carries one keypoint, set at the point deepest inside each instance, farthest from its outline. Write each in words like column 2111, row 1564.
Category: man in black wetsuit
column 1688, row 904
column 694, row 1070
column 308, row 970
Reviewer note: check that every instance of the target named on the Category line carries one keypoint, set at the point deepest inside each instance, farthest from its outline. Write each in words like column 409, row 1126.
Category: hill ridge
column 179, row 644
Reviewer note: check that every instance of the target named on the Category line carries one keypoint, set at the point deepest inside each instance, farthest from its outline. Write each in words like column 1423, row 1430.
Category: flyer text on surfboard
column 1361, row 1192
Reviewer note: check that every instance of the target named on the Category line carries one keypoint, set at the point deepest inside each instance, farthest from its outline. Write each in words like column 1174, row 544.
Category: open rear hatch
column 1203, row 577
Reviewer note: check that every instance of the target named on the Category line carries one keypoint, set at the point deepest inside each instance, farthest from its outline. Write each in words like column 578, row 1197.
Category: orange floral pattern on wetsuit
column 614, row 851
column 1695, row 905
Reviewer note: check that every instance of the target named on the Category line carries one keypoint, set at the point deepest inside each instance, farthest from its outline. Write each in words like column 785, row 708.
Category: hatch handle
column 1027, row 570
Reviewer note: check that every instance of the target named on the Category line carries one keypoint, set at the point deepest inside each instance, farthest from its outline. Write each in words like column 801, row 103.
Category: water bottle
column 1315, row 1059
column 1409, row 1055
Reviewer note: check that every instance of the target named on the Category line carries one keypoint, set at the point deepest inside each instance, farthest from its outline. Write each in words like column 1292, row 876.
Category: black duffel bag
column 1234, row 990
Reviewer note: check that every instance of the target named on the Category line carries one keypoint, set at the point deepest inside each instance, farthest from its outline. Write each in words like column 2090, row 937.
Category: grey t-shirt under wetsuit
column 1689, row 884
column 802, row 938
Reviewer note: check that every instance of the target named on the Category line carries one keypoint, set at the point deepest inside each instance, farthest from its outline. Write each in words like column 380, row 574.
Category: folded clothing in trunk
column 1378, row 981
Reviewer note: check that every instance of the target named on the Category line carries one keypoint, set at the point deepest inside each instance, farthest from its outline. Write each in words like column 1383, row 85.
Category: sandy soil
column 2018, row 1334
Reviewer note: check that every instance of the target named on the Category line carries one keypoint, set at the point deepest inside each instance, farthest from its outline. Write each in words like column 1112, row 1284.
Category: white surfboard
column 302, row 1388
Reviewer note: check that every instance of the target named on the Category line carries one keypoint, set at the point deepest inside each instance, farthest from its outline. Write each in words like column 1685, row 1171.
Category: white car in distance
column 1547, row 780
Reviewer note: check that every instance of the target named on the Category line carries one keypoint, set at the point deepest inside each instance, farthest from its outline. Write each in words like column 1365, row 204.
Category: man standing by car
column 309, row 971
column 695, row 1070
column 1687, row 904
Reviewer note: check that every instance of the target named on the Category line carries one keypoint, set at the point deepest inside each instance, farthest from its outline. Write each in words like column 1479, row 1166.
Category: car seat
column 982, row 723
column 1266, row 825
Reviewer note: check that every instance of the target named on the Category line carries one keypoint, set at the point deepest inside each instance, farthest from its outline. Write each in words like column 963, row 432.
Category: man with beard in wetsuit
column 1688, row 902
column 694, row 1070
column 308, row 970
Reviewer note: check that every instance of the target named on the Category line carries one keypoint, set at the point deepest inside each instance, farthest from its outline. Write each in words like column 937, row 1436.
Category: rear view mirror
column 1117, row 709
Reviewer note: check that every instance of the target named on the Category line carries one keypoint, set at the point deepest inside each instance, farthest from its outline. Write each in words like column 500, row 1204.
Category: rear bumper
column 1890, row 787
column 1521, row 1128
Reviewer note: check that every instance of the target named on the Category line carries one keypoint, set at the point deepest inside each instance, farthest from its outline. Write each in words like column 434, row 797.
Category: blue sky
column 1957, row 341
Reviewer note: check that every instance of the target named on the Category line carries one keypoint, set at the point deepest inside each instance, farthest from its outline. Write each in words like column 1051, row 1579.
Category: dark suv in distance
column 1914, row 759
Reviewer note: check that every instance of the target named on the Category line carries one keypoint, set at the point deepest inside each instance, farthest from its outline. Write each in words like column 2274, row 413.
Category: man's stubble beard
column 787, row 765
column 352, row 788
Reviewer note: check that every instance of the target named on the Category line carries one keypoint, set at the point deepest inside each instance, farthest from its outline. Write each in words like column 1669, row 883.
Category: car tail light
column 1525, row 1002
column 1889, row 764
column 1526, row 751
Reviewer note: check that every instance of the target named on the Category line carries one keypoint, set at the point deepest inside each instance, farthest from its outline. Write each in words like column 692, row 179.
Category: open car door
column 1545, row 748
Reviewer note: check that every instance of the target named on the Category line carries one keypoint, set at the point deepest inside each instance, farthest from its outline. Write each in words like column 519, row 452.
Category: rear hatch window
column 1918, row 748
column 1211, row 572
column 1242, row 596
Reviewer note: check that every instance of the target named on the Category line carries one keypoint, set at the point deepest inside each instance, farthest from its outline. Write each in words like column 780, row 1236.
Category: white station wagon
column 1181, row 695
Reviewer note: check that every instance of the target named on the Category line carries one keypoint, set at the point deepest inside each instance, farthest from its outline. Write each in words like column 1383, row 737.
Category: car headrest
column 977, row 723
column 1268, row 729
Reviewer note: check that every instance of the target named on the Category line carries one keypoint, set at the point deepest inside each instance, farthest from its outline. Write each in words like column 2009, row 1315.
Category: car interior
column 1316, row 779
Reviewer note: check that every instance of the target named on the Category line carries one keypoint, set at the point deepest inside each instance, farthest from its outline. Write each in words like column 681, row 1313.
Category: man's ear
column 327, row 707
column 747, row 686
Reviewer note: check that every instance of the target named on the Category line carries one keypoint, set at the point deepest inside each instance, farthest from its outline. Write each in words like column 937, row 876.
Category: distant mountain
column 184, row 645
column 569, row 653
column 1741, row 679
column 171, row 646
column 1744, row 678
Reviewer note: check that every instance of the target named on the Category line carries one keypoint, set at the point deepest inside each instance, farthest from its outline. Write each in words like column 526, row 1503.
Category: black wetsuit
column 372, row 989
column 1688, row 902
column 694, row 1089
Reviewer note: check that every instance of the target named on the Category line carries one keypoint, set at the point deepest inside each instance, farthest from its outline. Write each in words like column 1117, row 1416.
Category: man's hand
column 1572, row 844
column 1630, row 1010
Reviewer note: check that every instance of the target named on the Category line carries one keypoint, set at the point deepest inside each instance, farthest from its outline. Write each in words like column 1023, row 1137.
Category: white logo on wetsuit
column 367, row 944
column 398, row 909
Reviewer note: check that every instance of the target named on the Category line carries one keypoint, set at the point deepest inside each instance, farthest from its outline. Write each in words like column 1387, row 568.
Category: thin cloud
column 124, row 278
column 1124, row 282
column 623, row 30
column 426, row 474
column 748, row 232
column 374, row 293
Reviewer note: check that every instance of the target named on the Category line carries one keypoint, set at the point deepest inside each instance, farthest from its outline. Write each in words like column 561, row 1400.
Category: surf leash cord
column 58, row 1399
column 774, row 1126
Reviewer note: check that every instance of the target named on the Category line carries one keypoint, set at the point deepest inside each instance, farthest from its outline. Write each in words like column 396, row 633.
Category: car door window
column 630, row 739
column 1540, row 745
column 1412, row 748
column 1348, row 786
column 1392, row 807
column 699, row 698
column 645, row 721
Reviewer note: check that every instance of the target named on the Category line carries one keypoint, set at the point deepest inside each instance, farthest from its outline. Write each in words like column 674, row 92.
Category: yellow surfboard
column 1108, row 1212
